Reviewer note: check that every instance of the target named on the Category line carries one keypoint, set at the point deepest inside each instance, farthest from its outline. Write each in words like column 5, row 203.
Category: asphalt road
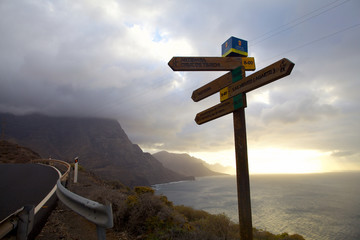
column 24, row 184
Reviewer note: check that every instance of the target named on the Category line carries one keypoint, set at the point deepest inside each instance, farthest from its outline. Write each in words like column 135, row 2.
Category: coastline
column 296, row 203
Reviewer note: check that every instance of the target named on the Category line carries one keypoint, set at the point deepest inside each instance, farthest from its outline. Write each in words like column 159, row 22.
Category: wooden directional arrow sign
column 218, row 84
column 210, row 63
column 221, row 109
column 266, row 75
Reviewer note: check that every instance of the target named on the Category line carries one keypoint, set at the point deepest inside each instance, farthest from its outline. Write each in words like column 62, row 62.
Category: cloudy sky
column 109, row 59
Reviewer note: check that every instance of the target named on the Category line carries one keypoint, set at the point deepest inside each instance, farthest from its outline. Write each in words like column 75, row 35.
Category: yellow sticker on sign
column 224, row 94
column 248, row 63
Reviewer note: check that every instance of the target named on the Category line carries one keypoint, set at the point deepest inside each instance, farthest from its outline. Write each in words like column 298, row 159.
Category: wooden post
column 242, row 174
column 3, row 123
column 76, row 169
column 233, row 87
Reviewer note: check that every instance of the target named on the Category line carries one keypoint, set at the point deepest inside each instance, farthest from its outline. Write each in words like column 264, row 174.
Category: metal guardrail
column 9, row 223
column 52, row 162
column 93, row 211
column 23, row 219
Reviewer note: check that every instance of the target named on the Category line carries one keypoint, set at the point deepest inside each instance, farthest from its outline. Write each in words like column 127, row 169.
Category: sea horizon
column 319, row 206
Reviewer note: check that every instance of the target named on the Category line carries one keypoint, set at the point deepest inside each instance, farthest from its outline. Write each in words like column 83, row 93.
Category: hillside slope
column 101, row 145
column 13, row 153
column 185, row 164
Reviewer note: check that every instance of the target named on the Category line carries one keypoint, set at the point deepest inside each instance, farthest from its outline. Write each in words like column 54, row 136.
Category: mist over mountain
column 101, row 145
column 217, row 167
column 185, row 164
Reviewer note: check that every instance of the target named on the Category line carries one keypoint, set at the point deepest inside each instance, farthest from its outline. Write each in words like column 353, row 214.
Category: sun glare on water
column 272, row 160
column 275, row 160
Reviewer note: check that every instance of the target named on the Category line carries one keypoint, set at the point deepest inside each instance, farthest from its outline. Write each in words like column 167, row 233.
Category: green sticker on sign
column 236, row 74
column 238, row 101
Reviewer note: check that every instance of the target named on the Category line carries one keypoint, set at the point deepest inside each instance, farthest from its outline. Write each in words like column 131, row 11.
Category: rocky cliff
column 101, row 145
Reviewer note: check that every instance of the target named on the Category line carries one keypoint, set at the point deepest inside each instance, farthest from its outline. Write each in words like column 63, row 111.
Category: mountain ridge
column 185, row 164
column 101, row 145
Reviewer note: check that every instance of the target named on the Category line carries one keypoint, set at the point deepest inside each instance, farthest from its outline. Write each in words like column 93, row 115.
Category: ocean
column 322, row 206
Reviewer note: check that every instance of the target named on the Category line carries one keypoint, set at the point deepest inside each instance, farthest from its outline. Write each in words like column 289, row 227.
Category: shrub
column 148, row 216
column 118, row 186
column 191, row 214
column 145, row 215
column 286, row 236
column 265, row 235
column 143, row 190
column 216, row 226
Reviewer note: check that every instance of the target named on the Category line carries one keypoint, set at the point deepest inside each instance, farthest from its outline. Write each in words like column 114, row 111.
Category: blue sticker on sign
column 234, row 47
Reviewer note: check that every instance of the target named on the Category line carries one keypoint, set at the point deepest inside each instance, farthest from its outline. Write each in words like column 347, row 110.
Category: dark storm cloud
column 109, row 59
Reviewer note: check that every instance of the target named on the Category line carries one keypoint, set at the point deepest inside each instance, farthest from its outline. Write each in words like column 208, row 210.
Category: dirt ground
column 63, row 223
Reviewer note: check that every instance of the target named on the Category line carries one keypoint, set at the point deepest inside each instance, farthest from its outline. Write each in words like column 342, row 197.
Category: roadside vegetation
column 144, row 215
column 138, row 213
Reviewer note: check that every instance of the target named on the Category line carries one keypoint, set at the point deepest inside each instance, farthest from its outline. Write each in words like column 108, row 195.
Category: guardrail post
column 101, row 233
column 25, row 223
column 93, row 211
column 76, row 170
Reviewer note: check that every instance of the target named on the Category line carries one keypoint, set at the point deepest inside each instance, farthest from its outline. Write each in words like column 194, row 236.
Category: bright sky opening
column 110, row 59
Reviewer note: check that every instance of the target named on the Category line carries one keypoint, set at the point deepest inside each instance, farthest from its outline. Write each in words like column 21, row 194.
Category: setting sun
column 273, row 160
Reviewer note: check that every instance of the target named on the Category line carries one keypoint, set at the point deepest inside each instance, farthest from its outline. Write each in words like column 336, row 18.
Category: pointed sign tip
column 193, row 97
column 286, row 59
column 171, row 64
column 289, row 67
column 197, row 119
column 292, row 65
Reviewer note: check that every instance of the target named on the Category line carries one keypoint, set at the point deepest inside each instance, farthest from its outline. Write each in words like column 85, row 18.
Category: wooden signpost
column 233, row 87
column 210, row 63
column 221, row 109
column 216, row 85
column 266, row 75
